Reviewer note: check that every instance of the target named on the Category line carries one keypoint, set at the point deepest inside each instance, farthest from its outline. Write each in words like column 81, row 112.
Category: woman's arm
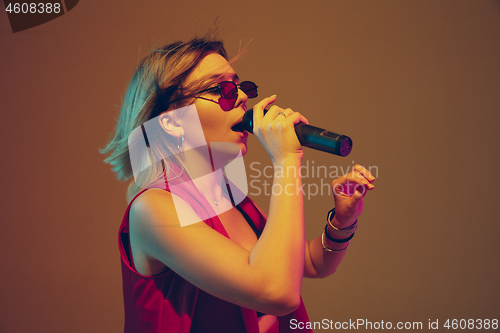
column 349, row 191
column 206, row 258
column 319, row 263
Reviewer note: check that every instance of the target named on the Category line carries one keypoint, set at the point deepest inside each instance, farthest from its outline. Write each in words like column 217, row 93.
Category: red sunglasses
column 228, row 91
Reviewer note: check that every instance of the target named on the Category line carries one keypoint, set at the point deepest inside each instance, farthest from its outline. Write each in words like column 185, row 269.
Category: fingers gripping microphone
column 311, row 137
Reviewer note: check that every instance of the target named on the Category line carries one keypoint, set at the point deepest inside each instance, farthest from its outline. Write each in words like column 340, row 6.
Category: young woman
column 194, row 259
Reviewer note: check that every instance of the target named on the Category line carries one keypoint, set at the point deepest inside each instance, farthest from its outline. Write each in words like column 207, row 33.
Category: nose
column 242, row 98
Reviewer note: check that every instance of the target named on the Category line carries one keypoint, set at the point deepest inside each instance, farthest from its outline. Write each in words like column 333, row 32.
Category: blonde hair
column 157, row 85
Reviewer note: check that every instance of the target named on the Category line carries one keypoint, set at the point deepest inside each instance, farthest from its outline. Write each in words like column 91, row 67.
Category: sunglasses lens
column 228, row 90
column 229, row 93
column 249, row 88
column 226, row 104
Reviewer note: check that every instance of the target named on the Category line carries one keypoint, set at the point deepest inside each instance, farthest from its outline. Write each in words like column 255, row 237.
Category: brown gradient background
column 415, row 84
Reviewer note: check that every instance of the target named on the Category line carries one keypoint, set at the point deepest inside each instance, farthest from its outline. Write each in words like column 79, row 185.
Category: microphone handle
column 312, row 137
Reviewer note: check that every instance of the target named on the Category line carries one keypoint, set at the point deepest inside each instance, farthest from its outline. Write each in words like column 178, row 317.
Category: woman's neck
column 208, row 181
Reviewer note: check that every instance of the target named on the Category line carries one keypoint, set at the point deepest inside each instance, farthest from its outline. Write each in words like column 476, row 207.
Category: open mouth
column 238, row 127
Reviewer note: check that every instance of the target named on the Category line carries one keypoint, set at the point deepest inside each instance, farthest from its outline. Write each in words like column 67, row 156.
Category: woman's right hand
column 275, row 130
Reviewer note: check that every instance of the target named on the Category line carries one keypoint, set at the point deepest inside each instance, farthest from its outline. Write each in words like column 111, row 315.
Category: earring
column 180, row 146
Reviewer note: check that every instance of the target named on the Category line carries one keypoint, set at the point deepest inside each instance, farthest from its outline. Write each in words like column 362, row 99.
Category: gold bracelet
column 326, row 248
column 341, row 232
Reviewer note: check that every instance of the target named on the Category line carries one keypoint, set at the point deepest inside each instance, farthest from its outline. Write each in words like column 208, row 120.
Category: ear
column 170, row 124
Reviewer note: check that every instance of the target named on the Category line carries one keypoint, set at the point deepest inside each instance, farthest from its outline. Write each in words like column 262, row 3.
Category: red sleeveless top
column 167, row 303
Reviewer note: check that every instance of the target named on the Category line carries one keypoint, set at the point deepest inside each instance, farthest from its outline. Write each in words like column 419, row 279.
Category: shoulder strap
column 249, row 221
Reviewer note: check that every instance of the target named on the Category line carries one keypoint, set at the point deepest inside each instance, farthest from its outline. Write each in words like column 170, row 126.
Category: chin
column 243, row 145
column 243, row 148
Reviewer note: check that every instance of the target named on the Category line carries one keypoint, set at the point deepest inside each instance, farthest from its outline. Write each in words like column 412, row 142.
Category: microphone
column 311, row 137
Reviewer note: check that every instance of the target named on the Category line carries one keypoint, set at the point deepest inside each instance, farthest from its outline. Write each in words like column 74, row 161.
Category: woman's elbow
column 289, row 305
column 283, row 303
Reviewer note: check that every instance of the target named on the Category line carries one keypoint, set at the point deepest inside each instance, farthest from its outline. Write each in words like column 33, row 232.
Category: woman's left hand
column 348, row 193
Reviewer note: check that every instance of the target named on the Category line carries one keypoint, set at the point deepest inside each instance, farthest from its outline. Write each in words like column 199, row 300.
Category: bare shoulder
column 157, row 206
column 154, row 225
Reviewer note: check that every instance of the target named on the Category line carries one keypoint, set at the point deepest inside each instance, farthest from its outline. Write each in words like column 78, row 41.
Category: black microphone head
column 345, row 146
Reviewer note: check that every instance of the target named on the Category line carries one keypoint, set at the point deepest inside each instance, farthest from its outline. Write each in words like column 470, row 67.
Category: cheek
column 200, row 125
column 212, row 121
column 210, row 124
